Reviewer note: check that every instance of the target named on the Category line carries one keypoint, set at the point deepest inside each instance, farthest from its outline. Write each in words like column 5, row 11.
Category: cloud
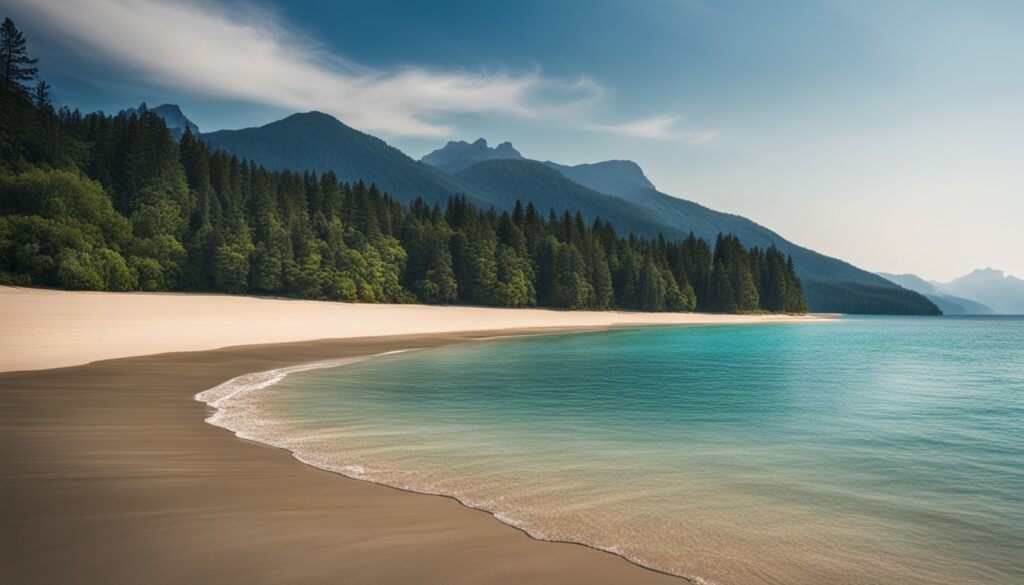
column 655, row 127
column 249, row 54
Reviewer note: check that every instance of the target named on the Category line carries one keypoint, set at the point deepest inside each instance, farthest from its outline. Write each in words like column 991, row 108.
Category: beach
column 111, row 475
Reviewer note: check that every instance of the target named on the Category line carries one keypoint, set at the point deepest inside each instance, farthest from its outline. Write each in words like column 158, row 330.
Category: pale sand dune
column 43, row 329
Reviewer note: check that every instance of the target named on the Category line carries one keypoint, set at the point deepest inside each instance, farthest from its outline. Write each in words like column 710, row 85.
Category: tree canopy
column 115, row 203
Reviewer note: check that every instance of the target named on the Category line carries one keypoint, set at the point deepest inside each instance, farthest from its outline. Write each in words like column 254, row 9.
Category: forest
column 98, row 202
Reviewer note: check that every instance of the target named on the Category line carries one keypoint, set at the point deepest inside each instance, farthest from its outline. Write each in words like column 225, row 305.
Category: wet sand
column 111, row 476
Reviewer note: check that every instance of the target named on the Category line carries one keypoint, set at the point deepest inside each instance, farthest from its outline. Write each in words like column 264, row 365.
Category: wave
column 237, row 409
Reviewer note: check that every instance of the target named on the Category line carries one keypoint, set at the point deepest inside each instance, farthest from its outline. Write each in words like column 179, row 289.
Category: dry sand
column 109, row 475
column 42, row 329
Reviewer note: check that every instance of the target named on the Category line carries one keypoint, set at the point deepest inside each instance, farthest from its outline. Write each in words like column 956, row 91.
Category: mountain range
column 456, row 156
column 984, row 291
column 618, row 191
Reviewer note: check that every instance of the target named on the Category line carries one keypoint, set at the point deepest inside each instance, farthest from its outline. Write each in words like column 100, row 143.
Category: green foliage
column 844, row 296
column 136, row 211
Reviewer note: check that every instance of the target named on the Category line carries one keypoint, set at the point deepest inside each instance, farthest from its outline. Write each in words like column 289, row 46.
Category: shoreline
column 55, row 328
column 112, row 476
column 110, row 473
column 213, row 399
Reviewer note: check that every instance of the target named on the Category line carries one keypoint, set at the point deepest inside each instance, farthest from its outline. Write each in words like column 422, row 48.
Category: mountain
column 318, row 142
column 950, row 305
column 455, row 156
column 827, row 281
column 174, row 119
column 501, row 182
column 1003, row 292
column 982, row 292
column 611, row 176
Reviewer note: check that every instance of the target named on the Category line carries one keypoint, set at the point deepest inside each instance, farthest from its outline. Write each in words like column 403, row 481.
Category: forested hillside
column 619, row 191
column 102, row 202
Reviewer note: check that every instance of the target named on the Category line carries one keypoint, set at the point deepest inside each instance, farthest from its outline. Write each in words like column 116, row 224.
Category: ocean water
column 865, row 450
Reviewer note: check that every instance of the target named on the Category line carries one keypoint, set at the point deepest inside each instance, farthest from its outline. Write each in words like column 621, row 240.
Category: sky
column 888, row 133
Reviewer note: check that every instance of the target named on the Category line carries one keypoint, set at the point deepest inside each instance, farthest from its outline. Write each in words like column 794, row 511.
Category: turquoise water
column 867, row 450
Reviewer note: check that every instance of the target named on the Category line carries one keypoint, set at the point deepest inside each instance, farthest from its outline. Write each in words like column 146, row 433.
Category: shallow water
column 867, row 450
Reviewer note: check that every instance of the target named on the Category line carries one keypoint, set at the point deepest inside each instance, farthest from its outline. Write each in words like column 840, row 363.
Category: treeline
column 849, row 297
column 113, row 203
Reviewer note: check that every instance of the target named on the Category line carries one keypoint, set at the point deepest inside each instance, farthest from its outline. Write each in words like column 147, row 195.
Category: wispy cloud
column 250, row 54
column 662, row 127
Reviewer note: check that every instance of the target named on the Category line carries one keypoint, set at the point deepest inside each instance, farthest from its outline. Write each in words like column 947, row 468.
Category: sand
column 109, row 475
column 43, row 329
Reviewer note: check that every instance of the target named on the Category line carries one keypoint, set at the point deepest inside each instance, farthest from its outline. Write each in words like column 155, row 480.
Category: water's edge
column 236, row 397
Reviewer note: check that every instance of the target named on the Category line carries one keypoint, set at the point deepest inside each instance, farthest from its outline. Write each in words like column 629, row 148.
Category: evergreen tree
column 41, row 96
column 113, row 203
column 16, row 67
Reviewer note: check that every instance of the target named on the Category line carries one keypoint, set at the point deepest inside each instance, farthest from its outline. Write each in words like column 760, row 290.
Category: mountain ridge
column 458, row 155
column 950, row 304
column 991, row 288
column 317, row 142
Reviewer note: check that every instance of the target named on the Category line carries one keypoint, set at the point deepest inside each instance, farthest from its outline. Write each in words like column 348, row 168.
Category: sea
column 874, row 450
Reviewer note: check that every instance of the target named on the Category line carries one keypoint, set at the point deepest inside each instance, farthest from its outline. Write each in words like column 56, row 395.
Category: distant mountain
column 611, row 176
column 174, row 119
column 982, row 292
column 827, row 281
column 318, row 142
column 1003, row 292
column 501, row 182
column 950, row 305
column 455, row 156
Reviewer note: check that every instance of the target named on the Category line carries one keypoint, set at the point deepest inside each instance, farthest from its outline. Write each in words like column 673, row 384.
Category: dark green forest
column 97, row 202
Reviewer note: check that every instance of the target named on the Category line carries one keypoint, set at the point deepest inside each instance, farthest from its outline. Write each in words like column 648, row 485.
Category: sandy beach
column 49, row 328
column 111, row 475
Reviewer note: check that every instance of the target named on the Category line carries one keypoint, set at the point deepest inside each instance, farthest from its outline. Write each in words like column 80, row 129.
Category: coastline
column 111, row 474
column 45, row 328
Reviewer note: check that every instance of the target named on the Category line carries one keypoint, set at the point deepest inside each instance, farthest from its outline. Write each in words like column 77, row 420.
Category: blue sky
column 889, row 133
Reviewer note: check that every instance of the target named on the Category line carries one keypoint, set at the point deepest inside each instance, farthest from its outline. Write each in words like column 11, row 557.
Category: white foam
column 236, row 390
column 237, row 409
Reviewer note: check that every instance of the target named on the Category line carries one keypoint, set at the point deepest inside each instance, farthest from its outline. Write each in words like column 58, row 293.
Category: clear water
column 867, row 450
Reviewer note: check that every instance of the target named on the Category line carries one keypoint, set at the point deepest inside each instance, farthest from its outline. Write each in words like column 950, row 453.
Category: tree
column 114, row 203
column 41, row 96
column 16, row 67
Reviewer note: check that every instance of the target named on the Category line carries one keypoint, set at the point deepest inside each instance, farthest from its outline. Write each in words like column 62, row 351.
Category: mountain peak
column 457, row 155
column 991, row 286
column 173, row 117
column 985, row 273
column 614, row 177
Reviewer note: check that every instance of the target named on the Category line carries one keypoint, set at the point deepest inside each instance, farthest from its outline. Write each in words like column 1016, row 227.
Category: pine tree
column 113, row 203
column 41, row 96
column 16, row 67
